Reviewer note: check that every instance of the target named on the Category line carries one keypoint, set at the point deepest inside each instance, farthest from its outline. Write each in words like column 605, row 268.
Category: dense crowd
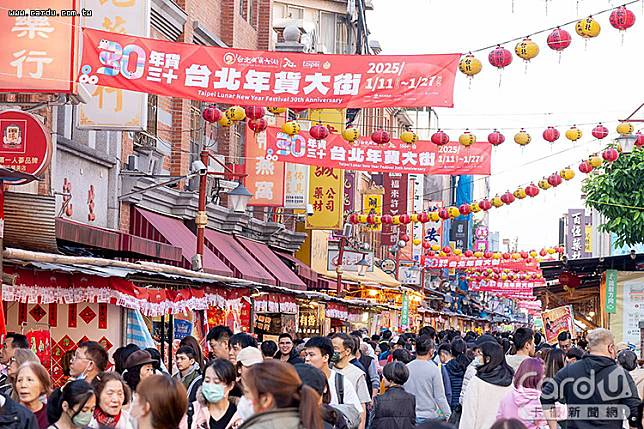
column 426, row 380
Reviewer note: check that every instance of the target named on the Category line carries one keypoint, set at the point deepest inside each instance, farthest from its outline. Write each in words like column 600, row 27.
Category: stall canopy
column 272, row 263
column 237, row 258
column 172, row 231
column 377, row 277
column 305, row 272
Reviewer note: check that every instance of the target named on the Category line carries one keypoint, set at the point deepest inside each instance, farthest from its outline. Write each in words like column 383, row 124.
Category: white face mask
column 478, row 361
column 245, row 408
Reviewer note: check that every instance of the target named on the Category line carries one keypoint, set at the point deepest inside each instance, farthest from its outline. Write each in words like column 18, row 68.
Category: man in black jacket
column 286, row 351
column 15, row 416
column 598, row 392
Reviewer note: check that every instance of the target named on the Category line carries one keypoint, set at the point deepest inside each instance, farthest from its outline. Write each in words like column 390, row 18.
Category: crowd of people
column 426, row 380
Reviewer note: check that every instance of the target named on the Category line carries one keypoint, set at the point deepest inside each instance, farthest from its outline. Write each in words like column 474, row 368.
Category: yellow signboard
column 326, row 198
column 588, row 244
column 372, row 203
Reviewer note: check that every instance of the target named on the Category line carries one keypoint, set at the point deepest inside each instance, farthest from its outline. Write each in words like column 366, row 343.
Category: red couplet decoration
column 585, row 167
column 319, row 132
column 531, row 190
column 353, row 218
column 485, row 205
column 439, row 138
column 255, row 112
column 443, row 214
column 639, row 139
column 380, row 137
column 555, row 179
column 500, row 57
column 211, row 114
column 600, row 131
column 559, row 39
column 495, row 138
column 423, row 217
column 622, row 18
column 386, row 219
column 257, row 125
column 550, row 134
column 507, row 198
column 610, row 154
column 405, row 219
column 464, row 209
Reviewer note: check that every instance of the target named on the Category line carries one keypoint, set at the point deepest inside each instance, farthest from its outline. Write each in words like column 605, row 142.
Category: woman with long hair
column 278, row 396
column 112, row 393
column 523, row 401
column 161, row 403
column 555, row 360
column 486, row 390
column 32, row 385
column 74, row 406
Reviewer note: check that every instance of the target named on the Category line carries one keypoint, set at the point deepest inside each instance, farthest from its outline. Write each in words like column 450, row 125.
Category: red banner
column 501, row 286
column 394, row 203
column 462, row 262
column 235, row 76
column 421, row 157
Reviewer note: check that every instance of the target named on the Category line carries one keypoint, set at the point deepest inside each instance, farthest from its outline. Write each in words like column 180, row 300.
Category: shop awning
column 272, row 263
column 237, row 258
column 377, row 277
column 158, row 227
column 309, row 276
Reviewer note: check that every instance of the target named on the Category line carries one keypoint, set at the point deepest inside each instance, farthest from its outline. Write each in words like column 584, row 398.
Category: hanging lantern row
column 559, row 39
column 526, row 256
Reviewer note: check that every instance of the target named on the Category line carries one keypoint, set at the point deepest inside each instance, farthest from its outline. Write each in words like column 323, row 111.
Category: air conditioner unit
column 132, row 163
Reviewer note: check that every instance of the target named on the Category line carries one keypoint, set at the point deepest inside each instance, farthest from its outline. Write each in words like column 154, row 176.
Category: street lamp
column 626, row 142
column 363, row 265
column 239, row 198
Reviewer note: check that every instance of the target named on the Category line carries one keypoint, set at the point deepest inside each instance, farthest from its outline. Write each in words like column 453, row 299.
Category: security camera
column 309, row 209
column 199, row 167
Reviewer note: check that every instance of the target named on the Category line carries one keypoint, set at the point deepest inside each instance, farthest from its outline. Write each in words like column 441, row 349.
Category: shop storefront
column 274, row 314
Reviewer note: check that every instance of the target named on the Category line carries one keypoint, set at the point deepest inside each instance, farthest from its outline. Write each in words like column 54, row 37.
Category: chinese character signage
column 421, row 157
column 349, row 191
column 296, row 186
column 116, row 108
column 265, row 178
column 25, row 145
column 461, row 262
column 417, row 204
column 404, row 311
column 326, row 196
column 233, row 76
column 576, row 235
column 611, row 291
column 394, row 203
column 459, row 233
column 556, row 321
column 39, row 52
column 434, row 230
column 350, row 259
column 372, row 204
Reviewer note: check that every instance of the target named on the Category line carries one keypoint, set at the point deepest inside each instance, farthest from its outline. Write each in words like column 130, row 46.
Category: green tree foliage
column 616, row 190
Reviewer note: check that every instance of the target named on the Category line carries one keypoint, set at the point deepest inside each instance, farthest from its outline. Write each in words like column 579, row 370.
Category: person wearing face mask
column 160, row 403
column 470, row 371
column 346, row 348
column 75, row 406
column 112, row 394
column 33, row 384
column 213, row 408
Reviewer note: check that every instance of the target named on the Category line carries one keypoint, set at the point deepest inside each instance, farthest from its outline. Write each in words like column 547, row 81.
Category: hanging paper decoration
column 625, row 128
column 639, row 139
column 544, row 184
column 497, row 202
column 551, row 134
column 236, row 113
column 380, row 137
column 470, row 65
column 500, row 58
column 225, row 121
column 522, row 137
column 507, row 198
column 600, row 131
column 319, row 132
column 622, row 18
column 211, row 114
column 573, row 134
column 585, row 167
column 439, row 138
column 610, row 154
column 567, row 173
column 559, row 39
column 386, row 219
column 351, row 134
column 464, row 209
column 467, row 139
column 531, row 190
column 257, row 125
column 555, row 180
column 291, row 128
column 276, row 110
column 526, row 49
column 588, row 28
column 595, row 161
column 495, row 138
column 255, row 112
column 485, row 204
column 408, row 137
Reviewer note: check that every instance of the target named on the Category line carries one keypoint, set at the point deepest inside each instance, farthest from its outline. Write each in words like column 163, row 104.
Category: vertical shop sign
column 296, row 186
column 404, row 311
column 372, row 204
column 576, row 234
column 394, row 203
column 326, row 197
column 417, row 227
column 115, row 108
column 349, row 191
column 611, row 291
column 265, row 178
column 434, row 230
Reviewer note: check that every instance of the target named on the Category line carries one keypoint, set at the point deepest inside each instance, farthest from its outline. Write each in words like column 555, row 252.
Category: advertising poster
column 326, row 195
column 556, row 321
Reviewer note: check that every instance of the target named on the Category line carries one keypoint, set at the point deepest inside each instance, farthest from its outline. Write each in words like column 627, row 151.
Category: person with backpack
column 319, row 353
column 345, row 348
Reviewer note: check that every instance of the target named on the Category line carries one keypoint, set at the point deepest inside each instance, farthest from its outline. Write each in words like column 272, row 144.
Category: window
column 294, row 12
column 279, row 10
column 153, row 101
column 252, row 13
column 196, row 123
column 327, row 31
column 341, row 41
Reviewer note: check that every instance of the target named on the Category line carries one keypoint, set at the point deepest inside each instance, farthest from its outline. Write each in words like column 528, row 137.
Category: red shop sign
column 261, row 78
column 26, row 145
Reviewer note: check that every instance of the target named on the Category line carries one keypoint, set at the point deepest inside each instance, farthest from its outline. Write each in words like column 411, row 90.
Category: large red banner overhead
column 235, row 76
column 462, row 262
column 396, row 156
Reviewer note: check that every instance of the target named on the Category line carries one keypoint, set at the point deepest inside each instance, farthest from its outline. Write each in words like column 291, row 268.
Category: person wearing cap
column 188, row 371
column 315, row 378
column 248, row 357
column 138, row 366
column 470, row 372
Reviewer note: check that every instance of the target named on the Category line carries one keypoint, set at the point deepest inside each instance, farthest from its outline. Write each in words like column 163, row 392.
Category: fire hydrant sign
column 26, row 145
column 262, row 78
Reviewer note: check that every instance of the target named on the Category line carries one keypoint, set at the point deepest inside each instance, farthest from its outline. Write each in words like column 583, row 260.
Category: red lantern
column 443, row 214
column 423, row 217
column 585, row 167
column 447, row 249
column 380, row 137
column 495, row 138
column 319, row 132
column 560, row 250
column 386, row 219
column 500, row 57
column 639, row 139
column 465, row 209
column 555, row 179
column 622, row 18
column 371, row 219
column 404, row 237
column 468, row 253
column 559, row 39
column 404, row 219
column 508, row 198
column 506, row 255
column 531, row 190
column 211, row 114
column 427, row 245
column 550, row 134
column 610, row 155
column 524, row 255
column 485, row 205
column 257, row 125
column 353, row 218
column 255, row 112
column 543, row 252
column 600, row 131
column 439, row 138
column 487, row 255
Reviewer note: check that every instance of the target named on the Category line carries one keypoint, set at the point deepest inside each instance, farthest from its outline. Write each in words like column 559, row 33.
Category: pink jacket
column 523, row 404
